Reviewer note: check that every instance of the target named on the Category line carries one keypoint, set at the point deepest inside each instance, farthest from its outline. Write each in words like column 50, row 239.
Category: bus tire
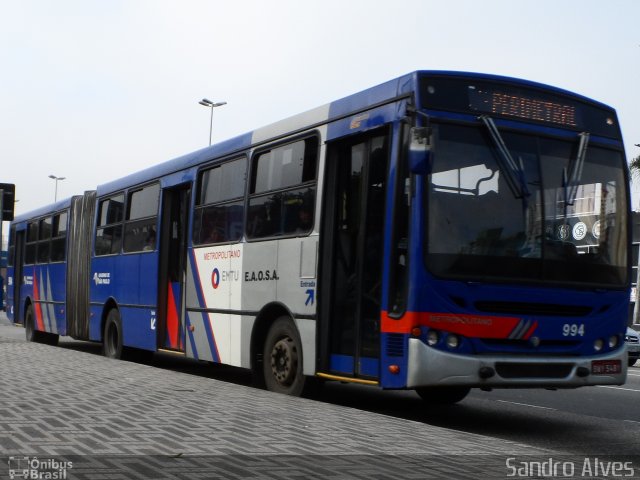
column 442, row 395
column 112, row 339
column 37, row 336
column 29, row 326
column 282, row 359
column 51, row 339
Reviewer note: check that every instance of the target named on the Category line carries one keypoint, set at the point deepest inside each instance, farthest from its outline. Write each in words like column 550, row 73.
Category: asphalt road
column 585, row 421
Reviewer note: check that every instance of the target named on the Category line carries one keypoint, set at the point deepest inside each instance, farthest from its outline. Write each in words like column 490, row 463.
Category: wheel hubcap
column 284, row 361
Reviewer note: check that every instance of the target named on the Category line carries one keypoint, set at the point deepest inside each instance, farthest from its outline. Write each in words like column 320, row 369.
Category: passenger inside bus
column 305, row 219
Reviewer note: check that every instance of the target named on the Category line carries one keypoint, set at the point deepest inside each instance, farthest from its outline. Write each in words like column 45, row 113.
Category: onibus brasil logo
column 36, row 469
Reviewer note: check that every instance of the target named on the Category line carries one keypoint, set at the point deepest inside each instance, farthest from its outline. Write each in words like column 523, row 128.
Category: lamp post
column 56, row 179
column 209, row 104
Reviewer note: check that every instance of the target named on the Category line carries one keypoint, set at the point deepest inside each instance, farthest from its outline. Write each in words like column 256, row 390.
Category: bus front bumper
column 431, row 367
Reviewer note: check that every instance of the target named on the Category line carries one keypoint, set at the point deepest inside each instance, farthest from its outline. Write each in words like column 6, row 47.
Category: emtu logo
column 215, row 278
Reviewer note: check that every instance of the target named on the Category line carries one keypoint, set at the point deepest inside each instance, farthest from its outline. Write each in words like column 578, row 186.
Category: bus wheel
column 282, row 364
column 112, row 338
column 29, row 327
column 51, row 339
column 37, row 336
column 442, row 395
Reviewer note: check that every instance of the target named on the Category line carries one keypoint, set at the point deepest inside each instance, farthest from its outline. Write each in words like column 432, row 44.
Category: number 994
column 573, row 330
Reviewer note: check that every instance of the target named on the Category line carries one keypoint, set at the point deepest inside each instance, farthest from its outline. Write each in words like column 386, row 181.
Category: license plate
column 600, row 367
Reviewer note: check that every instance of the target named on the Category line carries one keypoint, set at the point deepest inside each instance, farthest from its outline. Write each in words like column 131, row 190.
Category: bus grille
column 541, row 309
column 395, row 345
column 533, row 370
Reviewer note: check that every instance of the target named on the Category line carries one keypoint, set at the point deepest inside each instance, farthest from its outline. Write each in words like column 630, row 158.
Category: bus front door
column 172, row 271
column 352, row 257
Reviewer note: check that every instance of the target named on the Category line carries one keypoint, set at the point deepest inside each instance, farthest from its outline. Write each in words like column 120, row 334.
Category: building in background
column 3, row 271
column 635, row 219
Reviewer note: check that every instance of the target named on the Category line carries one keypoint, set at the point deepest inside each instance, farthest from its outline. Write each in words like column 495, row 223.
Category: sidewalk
column 138, row 421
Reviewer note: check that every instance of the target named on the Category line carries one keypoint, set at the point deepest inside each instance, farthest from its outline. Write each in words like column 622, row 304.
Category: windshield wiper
column 572, row 178
column 513, row 172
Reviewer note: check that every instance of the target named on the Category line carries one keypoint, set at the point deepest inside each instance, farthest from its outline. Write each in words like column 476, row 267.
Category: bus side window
column 32, row 243
column 109, row 231
column 142, row 217
column 283, row 190
column 12, row 247
column 220, row 204
column 44, row 240
column 59, row 237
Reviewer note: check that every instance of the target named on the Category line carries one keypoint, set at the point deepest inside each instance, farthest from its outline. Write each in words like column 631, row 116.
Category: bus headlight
column 432, row 338
column 453, row 341
column 598, row 344
column 613, row 341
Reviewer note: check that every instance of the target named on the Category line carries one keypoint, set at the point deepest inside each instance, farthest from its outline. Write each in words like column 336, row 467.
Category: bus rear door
column 173, row 255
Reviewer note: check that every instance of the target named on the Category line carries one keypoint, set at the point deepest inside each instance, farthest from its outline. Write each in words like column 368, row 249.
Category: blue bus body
column 41, row 283
column 498, row 259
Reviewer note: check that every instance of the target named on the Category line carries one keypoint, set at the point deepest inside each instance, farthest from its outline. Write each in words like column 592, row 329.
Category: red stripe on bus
column 172, row 318
column 479, row 326
column 38, row 307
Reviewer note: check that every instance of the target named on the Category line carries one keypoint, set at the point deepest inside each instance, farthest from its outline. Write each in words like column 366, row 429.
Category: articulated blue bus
column 43, row 291
column 439, row 232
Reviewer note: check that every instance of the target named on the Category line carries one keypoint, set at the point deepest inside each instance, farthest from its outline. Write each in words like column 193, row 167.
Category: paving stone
column 117, row 419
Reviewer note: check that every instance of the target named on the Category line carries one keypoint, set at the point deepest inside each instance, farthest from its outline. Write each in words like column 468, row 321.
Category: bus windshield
column 564, row 223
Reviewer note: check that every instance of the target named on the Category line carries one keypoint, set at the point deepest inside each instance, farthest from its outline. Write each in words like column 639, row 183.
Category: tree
column 634, row 167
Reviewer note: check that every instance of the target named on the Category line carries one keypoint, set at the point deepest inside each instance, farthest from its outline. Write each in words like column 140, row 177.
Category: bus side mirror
column 420, row 150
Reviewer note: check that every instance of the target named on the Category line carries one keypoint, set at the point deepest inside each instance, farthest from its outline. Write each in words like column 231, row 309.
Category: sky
column 93, row 90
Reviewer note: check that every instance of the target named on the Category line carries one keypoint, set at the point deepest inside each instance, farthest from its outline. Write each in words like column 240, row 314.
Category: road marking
column 527, row 405
column 618, row 388
column 632, row 421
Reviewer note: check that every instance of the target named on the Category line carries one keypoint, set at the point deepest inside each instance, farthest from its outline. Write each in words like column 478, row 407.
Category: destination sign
column 516, row 100
column 508, row 104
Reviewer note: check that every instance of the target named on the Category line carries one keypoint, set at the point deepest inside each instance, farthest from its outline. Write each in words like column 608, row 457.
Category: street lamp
column 57, row 179
column 209, row 104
